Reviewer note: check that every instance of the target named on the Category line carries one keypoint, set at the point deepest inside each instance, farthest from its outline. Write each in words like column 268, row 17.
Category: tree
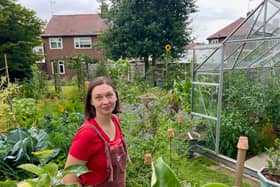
column 103, row 8
column 142, row 28
column 20, row 32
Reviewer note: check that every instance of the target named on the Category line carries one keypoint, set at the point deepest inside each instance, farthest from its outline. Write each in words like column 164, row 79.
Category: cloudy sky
column 212, row 15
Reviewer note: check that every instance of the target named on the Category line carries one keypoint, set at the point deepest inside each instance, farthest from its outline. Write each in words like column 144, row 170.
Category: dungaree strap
column 107, row 152
column 122, row 138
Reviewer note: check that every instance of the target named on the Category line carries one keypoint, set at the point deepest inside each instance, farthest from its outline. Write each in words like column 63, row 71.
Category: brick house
column 67, row 35
column 203, row 50
column 220, row 35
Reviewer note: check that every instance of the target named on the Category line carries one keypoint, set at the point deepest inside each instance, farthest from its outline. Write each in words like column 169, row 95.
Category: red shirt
column 88, row 146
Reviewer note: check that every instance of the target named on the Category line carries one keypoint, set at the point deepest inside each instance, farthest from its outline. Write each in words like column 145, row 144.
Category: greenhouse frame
column 254, row 47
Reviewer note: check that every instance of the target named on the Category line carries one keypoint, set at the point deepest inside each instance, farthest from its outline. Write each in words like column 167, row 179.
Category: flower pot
column 264, row 182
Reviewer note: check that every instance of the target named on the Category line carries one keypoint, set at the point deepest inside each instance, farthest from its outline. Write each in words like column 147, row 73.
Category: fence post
column 242, row 146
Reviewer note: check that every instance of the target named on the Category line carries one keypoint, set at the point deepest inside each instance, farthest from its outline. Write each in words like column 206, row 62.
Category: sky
column 212, row 15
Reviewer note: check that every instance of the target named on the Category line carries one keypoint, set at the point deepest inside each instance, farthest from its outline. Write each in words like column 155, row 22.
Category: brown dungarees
column 116, row 161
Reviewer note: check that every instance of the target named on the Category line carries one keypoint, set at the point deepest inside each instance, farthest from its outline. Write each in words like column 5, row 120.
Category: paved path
column 257, row 162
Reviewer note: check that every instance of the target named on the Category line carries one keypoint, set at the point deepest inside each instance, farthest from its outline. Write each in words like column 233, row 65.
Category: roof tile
column 69, row 25
column 224, row 32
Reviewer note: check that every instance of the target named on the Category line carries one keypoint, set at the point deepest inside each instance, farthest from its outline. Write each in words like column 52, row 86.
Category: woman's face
column 103, row 98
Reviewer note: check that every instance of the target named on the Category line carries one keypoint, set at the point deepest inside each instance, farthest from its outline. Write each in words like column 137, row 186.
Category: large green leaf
column 77, row 169
column 46, row 155
column 41, row 136
column 51, row 169
column 44, row 181
column 31, row 168
column 163, row 175
column 8, row 183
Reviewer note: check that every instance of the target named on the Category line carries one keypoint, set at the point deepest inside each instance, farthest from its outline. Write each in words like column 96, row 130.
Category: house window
column 215, row 41
column 82, row 43
column 60, row 67
column 55, row 43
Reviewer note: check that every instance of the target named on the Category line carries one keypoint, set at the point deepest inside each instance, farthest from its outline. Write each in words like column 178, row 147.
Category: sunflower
column 167, row 47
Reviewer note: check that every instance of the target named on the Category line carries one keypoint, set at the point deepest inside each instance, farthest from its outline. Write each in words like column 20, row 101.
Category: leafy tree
column 19, row 33
column 142, row 28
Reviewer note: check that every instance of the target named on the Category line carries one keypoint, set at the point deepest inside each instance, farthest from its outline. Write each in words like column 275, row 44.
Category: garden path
column 257, row 162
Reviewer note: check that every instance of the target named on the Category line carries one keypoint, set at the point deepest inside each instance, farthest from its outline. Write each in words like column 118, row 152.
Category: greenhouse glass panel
column 247, row 27
column 236, row 87
column 205, row 100
column 211, row 63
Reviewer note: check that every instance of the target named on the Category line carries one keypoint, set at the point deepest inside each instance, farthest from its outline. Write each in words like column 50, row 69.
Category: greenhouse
column 236, row 88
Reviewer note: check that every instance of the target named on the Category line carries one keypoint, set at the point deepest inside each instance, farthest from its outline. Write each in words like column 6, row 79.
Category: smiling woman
column 99, row 143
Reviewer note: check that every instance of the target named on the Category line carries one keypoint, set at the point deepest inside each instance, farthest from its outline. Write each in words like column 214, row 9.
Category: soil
column 273, row 178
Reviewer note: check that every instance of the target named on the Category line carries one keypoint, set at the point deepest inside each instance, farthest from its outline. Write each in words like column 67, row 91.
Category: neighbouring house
column 68, row 35
column 222, row 34
column 203, row 50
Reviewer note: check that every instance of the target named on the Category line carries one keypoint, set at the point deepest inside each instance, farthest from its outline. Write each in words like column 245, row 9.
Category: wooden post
column 242, row 146
column 57, row 81
column 7, row 69
column 9, row 99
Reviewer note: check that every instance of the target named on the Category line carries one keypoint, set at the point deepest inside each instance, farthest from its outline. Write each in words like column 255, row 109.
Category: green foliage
column 24, row 112
column 7, row 90
column 234, row 126
column 20, row 31
column 49, row 175
column 274, row 158
column 36, row 87
column 182, row 91
column 101, row 70
column 163, row 175
column 250, row 108
column 142, row 29
column 149, row 127
column 18, row 145
column 62, row 129
column 119, row 70
column 145, row 126
column 8, row 183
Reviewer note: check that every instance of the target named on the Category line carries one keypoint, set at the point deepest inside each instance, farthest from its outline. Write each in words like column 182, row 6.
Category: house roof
column 224, row 32
column 75, row 25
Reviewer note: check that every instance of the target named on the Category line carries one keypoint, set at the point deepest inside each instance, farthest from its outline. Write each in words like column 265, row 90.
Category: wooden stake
column 7, row 69
column 241, row 155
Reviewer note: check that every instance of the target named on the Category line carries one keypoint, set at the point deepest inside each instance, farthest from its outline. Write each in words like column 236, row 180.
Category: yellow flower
column 167, row 47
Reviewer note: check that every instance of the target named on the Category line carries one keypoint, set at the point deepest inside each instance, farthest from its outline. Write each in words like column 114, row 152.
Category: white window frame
column 214, row 41
column 57, row 43
column 82, row 43
column 60, row 66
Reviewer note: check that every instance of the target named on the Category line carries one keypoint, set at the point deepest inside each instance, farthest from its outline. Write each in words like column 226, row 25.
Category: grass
column 199, row 171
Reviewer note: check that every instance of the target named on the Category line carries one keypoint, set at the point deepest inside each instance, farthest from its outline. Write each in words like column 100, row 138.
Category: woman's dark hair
column 90, row 111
